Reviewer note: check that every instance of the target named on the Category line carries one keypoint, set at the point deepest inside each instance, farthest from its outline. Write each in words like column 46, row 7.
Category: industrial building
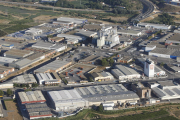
column 27, row 61
column 124, row 59
column 107, row 36
column 33, row 31
column 166, row 90
column 173, row 39
column 103, row 76
column 66, row 36
column 141, row 90
column 156, row 70
column 125, row 73
column 72, row 41
column 31, row 97
column 50, row 46
column 85, row 33
column 17, row 54
column 149, row 68
column 6, row 60
column 93, row 27
column 65, row 100
column 129, row 32
column 4, row 71
column 154, row 26
column 56, row 39
column 73, row 20
column 46, row 78
column 38, row 110
column 24, row 79
column 54, row 66
column 165, row 53
column 7, row 46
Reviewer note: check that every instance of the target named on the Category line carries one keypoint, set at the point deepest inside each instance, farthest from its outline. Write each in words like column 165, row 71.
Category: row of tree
column 25, row 85
column 9, row 92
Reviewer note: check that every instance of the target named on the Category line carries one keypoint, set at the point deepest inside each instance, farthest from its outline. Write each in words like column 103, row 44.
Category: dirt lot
column 11, row 106
column 118, row 18
column 150, row 18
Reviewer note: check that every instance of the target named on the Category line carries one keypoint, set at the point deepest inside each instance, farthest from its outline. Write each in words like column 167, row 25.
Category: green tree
column 162, row 64
column 9, row 92
column 34, row 85
column 22, row 85
column 90, row 79
column 100, row 108
column 1, row 93
column 27, row 85
column 111, row 61
column 104, row 62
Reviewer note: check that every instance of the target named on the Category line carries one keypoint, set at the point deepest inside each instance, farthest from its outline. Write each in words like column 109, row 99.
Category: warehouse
column 17, row 54
column 72, row 41
column 129, row 32
column 25, row 62
column 174, row 38
column 5, row 60
column 166, row 90
column 33, row 31
column 9, row 46
column 46, row 78
column 31, row 97
column 125, row 59
column 103, row 76
column 85, row 33
column 73, row 20
column 157, row 71
column 38, row 110
column 128, row 72
column 4, row 71
column 24, row 79
column 66, row 36
column 87, row 96
column 165, row 53
column 154, row 26
column 118, row 74
column 54, row 66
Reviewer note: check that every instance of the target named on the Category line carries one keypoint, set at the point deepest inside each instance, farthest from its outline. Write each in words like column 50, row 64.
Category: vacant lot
column 12, row 111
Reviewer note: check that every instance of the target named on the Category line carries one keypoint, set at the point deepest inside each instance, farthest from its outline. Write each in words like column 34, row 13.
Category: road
column 50, row 7
column 147, row 10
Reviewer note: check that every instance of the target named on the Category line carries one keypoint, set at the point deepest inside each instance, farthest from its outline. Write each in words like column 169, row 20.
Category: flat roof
column 45, row 45
column 44, row 76
column 128, row 31
column 18, row 53
column 67, row 36
column 167, row 83
column 7, row 60
column 175, row 37
column 52, row 66
column 126, row 70
column 85, row 33
column 117, row 72
column 26, row 78
column 163, row 51
column 151, row 24
column 4, row 68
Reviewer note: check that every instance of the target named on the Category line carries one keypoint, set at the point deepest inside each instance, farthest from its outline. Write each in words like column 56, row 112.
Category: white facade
column 72, row 41
column 101, row 41
column 42, row 77
column 33, row 31
column 159, row 55
column 155, row 26
column 149, row 68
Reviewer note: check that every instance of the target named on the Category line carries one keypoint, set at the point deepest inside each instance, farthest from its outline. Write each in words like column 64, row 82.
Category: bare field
column 118, row 18
column 43, row 18
column 13, row 111
column 150, row 18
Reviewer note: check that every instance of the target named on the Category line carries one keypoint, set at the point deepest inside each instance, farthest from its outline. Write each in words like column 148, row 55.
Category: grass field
column 13, row 111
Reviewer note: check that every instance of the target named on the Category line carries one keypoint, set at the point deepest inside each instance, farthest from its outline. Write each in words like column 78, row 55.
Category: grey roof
column 86, row 33
column 16, row 53
column 45, row 45
column 158, row 91
column 167, row 83
column 128, row 31
column 126, row 70
column 175, row 68
column 176, row 53
column 169, row 92
column 36, row 109
column 163, row 51
column 93, row 94
column 52, row 66
column 94, row 74
column 117, row 72
column 175, row 37
column 26, row 78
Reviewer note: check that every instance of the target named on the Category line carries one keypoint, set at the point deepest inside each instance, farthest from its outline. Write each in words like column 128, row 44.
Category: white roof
column 7, row 60
column 26, row 78
column 44, row 77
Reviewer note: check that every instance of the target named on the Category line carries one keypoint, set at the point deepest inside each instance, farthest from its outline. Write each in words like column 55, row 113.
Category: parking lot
column 77, row 73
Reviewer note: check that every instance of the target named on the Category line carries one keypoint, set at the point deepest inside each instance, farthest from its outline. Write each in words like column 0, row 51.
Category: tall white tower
column 149, row 68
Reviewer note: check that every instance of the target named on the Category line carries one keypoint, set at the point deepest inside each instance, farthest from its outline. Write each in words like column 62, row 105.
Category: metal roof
column 128, row 31
column 163, row 51
column 18, row 53
column 26, row 78
column 126, row 70
column 117, row 72
column 52, row 66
